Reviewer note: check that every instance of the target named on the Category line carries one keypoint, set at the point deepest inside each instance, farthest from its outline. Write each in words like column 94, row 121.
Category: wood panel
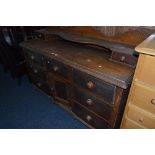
column 146, row 69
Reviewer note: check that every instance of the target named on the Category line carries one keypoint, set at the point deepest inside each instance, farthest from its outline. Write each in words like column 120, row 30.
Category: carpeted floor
column 23, row 107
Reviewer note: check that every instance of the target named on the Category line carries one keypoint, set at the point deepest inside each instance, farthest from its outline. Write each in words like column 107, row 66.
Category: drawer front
column 141, row 117
column 36, row 70
column 89, row 117
column 40, row 84
column 57, row 67
column 92, row 103
column 145, row 69
column 99, row 87
column 129, row 124
column 35, row 57
column 143, row 97
column 124, row 58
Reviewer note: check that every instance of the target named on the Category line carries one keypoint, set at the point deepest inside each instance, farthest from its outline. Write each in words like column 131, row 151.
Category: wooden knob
column 122, row 58
column 52, row 89
column 141, row 119
column 39, row 84
column 55, row 68
column 90, row 84
column 32, row 57
column 88, row 118
column 153, row 101
column 39, row 35
column 35, row 71
column 89, row 101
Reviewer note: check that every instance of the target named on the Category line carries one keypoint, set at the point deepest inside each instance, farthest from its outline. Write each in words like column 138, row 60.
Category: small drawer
column 92, row 103
column 57, row 67
column 141, row 117
column 34, row 57
column 143, row 97
column 145, row 69
column 36, row 70
column 130, row 124
column 98, row 87
column 124, row 58
column 40, row 84
column 89, row 117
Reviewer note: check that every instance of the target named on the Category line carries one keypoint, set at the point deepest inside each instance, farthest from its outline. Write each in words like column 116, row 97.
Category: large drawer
column 35, row 57
column 92, row 103
column 145, row 69
column 141, row 117
column 143, row 97
column 99, row 87
column 57, row 67
column 89, row 117
column 37, row 70
column 40, row 84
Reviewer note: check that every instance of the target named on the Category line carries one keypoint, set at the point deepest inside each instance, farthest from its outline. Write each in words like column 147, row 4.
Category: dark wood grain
column 91, row 60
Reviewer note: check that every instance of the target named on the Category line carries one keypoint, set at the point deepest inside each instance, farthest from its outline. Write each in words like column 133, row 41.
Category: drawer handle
column 35, row 71
column 122, row 58
column 52, row 89
column 39, row 84
column 89, row 101
column 141, row 119
column 153, row 101
column 55, row 68
column 32, row 57
column 90, row 84
column 39, row 35
column 88, row 118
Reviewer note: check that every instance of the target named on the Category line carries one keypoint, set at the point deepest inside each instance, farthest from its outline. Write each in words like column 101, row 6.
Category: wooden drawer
column 99, row 87
column 129, row 124
column 92, row 103
column 34, row 57
column 124, row 58
column 57, row 67
column 145, row 69
column 40, row 84
column 143, row 97
column 36, row 70
column 89, row 117
column 141, row 117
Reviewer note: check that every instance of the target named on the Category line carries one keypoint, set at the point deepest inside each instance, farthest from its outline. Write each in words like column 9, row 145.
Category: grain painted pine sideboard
column 82, row 76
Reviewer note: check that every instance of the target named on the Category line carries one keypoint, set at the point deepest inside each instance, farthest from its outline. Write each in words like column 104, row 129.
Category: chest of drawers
column 80, row 78
column 140, row 108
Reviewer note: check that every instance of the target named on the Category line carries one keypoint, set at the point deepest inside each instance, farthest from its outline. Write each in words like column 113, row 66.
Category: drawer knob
column 89, row 101
column 52, row 89
column 90, row 84
column 32, row 57
column 39, row 35
column 141, row 119
column 55, row 68
column 39, row 84
column 153, row 101
column 88, row 118
column 122, row 58
column 35, row 71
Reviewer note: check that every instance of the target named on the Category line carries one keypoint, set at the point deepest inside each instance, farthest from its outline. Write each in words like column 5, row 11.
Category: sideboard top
column 84, row 58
